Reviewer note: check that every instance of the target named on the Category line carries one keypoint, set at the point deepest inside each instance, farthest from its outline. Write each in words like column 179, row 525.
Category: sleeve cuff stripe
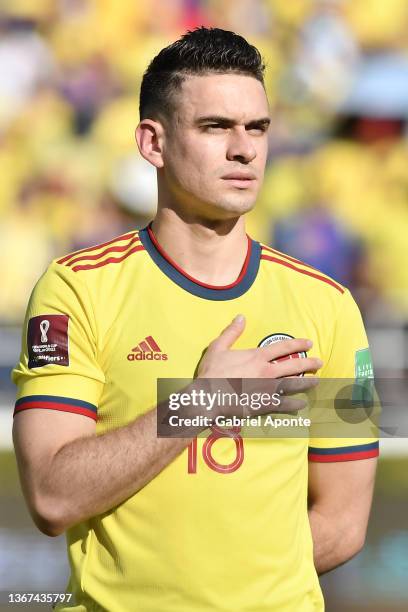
column 344, row 456
column 339, row 450
column 56, row 403
column 62, row 407
column 56, row 399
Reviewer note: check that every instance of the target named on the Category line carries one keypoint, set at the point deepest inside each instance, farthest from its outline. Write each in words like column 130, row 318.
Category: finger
column 291, row 405
column 230, row 335
column 285, row 347
column 286, row 405
column 288, row 384
column 295, row 366
column 296, row 384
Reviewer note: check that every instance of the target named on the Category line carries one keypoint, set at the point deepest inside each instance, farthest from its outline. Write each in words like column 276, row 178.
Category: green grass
column 392, row 477
column 9, row 483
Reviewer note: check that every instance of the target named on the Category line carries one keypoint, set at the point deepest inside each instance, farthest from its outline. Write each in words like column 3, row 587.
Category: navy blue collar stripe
column 197, row 289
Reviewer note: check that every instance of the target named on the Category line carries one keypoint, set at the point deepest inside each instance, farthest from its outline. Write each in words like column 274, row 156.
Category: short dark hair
column 199, row 51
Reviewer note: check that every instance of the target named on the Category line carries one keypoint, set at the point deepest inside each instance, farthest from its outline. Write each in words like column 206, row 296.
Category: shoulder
column 298, row 273
column 104, row 255
column 95, row 280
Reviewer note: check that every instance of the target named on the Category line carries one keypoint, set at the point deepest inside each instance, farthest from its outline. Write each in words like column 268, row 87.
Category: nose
column 240, row 146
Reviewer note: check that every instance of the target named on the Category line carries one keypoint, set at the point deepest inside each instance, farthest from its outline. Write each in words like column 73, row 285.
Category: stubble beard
column 232, row 206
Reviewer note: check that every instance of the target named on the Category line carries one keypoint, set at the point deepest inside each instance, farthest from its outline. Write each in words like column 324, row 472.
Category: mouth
column 240, row 179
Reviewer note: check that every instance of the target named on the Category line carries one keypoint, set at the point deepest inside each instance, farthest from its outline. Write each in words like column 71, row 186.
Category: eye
column 214, row 127
column 257, row 129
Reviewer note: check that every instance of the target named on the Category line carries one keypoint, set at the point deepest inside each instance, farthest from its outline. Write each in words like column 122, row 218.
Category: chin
column 238, row 203
column 222, row 208
column 235, row 208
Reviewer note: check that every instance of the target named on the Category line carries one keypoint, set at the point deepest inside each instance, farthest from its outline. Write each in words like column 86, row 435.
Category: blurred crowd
column 336, row 184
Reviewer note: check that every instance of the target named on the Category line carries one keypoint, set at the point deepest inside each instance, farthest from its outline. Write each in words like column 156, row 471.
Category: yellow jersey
column 224, row 527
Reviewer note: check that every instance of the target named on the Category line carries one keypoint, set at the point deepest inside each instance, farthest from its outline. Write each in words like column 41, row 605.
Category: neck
column 212, row 252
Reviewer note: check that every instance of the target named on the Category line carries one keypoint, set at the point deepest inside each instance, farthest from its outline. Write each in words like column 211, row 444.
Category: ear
column 149, row 138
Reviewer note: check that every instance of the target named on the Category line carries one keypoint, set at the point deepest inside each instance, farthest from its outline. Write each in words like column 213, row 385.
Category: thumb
column 230, row 334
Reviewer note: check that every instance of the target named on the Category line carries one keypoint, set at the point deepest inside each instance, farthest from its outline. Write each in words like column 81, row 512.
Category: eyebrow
column 228, row 122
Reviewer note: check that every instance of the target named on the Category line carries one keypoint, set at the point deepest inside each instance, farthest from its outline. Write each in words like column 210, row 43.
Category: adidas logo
column 147, row 350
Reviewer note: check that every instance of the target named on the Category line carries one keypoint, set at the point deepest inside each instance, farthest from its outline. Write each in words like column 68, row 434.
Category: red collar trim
column 194, row 280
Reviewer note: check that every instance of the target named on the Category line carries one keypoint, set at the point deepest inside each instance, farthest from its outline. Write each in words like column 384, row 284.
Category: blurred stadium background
column 335, row 195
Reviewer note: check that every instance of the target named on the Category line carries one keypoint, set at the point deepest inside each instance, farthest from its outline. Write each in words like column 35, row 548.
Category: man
column 181, row 524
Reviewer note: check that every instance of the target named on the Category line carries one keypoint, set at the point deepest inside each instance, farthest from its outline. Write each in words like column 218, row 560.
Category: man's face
column 215, row 148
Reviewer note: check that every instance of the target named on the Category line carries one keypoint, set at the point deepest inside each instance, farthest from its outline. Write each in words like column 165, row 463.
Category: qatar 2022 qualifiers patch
column 47, row 340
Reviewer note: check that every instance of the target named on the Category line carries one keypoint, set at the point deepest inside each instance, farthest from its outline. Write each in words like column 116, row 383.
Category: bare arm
column 340, row 496
column 69, row 474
